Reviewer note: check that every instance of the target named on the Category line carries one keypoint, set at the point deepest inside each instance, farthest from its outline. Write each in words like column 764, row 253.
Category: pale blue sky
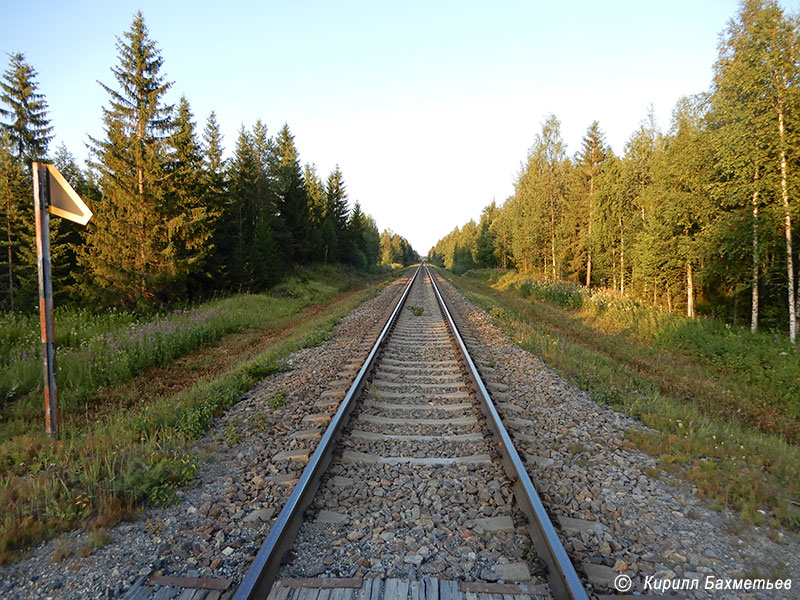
column 428, row 107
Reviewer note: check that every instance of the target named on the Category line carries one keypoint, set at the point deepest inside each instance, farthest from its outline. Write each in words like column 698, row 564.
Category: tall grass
column 102, row 468
column 95, row 350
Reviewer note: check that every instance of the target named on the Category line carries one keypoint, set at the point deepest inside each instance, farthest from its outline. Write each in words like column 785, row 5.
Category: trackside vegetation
column 118, row 448
column 722, row 402
column 700, row 219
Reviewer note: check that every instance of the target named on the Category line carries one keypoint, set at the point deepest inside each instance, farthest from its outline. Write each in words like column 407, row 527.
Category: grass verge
column 723, row 404
column 134, row 450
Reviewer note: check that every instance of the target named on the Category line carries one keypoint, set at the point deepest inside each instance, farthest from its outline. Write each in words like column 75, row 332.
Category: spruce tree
column 263, row 252
column 25, row 138
column 293, row 211
column 337, row 211
column 322, row 237
column 238, row 219
column 26, row 111
column 17, row 221
column 591, row 158
column 190, row 223
column 65, row 236
column 215, row 186
column 359, row 236
column 128, row 241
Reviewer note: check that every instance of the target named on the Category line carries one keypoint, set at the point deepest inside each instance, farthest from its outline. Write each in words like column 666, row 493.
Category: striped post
column 41, row 203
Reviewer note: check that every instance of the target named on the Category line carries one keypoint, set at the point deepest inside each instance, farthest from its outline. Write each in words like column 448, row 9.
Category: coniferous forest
column 701, row 218
column 173, row 219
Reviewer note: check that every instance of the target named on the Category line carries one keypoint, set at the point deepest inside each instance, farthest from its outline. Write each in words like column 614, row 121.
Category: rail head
column 262, row 573
column 564, row 581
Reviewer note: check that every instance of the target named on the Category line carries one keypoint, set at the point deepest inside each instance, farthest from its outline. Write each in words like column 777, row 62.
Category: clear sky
column 428, row 107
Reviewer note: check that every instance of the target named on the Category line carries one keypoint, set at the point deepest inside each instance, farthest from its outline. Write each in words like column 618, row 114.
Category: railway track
column 415, row 456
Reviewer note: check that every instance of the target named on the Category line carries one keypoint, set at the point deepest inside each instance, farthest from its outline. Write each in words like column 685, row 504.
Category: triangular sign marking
column 64, row 201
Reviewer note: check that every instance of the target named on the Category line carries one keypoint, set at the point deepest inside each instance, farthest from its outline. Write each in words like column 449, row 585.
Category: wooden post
column 41, row 203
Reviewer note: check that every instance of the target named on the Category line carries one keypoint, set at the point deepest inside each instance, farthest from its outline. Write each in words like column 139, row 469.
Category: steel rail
column 564, row 581
column 262, row 573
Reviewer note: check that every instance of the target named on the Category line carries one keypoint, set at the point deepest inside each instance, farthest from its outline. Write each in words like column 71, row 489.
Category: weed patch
column 277, row 399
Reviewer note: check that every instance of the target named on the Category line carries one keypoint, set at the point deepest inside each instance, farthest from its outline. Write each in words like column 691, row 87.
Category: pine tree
column 128, row 244
column 29, row 128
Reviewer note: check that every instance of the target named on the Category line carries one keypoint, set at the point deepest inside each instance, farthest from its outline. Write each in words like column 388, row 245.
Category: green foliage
column 26, row 111
column 562, row 293
column 17, row 245
column 231, row 435
column 130, row 252
column 416, row 310
column 277, row 399
column 24, row 137
column 696, row 220
column 173, row 221
column 720, row 402
column 316, row 338
column 395, row 250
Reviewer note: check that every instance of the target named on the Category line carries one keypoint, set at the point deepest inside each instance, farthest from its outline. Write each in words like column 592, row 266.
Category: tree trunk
column 754, row 278
column 10, row 259
column 140, row 132
column 589, row 269
column 621, row 259
column 787, row 227
column 142, row 235
column 552, row 222
column 589, row 244
column 689, row 290
column 669, row 298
